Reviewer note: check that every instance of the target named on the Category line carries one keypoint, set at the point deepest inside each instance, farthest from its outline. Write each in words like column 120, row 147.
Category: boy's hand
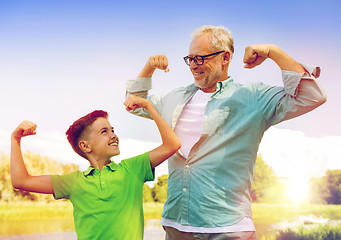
column 24, row 129
column 133, row 102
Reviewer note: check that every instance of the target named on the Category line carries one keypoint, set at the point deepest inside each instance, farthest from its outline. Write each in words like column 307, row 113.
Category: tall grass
column 322, row 232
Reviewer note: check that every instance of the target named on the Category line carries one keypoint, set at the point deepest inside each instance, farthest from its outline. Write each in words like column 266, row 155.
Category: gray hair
column 221, row 37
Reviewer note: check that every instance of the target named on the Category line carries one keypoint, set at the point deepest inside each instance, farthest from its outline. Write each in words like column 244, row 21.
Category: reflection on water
column 42, row 236
column 60, row 230
column 18, row 227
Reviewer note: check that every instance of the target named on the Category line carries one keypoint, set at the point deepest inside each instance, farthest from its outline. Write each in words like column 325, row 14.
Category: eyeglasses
column 199, row 60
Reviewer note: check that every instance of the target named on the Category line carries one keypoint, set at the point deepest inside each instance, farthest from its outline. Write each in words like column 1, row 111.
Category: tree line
column 36, row 165
column 266, row 187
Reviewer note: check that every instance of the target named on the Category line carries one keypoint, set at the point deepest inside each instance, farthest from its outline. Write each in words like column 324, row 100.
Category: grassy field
column 274, row 213
column 56, row 210
column 264, row 215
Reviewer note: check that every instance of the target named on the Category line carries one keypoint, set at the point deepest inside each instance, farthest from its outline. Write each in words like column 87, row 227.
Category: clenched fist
column 24, row 129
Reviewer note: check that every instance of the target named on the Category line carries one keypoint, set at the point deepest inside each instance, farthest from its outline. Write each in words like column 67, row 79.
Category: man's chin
column 199, row 83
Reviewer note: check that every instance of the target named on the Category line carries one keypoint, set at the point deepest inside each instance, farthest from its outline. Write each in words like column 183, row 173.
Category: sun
column 297, row 190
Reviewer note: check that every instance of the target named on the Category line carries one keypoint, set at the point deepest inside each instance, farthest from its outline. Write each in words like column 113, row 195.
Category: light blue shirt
column 211, row 188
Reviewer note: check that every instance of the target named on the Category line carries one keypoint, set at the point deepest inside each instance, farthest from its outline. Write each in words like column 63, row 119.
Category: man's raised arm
column 256, row 54
column 303, row 92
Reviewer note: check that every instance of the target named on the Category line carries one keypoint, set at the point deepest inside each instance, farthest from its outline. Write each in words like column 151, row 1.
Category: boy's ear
column 84, row 146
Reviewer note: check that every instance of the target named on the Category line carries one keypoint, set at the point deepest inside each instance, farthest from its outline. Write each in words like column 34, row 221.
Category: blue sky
column 62, row 59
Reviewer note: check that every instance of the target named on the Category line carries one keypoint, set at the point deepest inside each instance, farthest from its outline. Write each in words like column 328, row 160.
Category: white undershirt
column 188, row 128
column 189, row 125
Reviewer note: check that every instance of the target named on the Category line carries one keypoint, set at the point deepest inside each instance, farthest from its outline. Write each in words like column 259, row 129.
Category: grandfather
column 220, row 124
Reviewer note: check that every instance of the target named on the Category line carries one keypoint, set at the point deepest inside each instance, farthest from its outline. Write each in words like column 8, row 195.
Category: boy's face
column 102, row 140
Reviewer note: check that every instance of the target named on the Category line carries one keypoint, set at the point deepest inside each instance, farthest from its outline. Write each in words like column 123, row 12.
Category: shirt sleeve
column 140, row 87
column 62, row 184
column 301, row 93
column 140, row 166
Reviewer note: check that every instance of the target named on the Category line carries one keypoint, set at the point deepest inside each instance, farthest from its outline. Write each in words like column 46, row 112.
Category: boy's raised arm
column 170, row 142
column 19, row 175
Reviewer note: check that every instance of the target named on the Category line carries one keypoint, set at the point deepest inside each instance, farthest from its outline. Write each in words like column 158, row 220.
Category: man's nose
column 192, row 64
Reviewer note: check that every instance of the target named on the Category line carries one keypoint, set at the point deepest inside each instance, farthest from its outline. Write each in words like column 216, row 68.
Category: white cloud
column 291, row 154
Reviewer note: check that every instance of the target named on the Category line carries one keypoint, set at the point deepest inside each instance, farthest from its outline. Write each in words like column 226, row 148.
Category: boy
column 107, row 198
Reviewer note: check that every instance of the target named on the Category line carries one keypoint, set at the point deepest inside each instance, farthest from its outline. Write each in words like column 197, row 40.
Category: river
column 61, row 230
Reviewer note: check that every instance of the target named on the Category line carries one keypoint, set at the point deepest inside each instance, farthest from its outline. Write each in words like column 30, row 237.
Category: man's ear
column 226, row 56
column 84, row 146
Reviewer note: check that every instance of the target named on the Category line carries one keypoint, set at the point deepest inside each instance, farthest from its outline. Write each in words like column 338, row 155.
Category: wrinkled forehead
column 200, row 46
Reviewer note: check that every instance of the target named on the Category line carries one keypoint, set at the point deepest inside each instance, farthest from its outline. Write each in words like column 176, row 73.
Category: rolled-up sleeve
column 300, row 94
column 306, row 91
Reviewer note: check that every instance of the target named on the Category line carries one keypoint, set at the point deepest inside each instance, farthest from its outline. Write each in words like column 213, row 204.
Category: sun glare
column 297, row 190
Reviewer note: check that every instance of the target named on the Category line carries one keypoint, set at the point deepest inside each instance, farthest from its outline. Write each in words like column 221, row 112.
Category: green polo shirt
column 107, row 204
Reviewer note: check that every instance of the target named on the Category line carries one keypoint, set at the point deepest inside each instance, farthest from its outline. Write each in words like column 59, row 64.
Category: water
column 61, row 230
column 64, row 230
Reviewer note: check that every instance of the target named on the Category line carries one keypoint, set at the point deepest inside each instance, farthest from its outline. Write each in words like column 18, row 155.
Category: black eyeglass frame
column 195, row 59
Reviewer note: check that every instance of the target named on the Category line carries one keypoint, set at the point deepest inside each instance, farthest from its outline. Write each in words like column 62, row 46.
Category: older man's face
column 210, row 72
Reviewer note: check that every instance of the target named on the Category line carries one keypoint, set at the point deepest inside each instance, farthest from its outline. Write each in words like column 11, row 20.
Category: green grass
column 274, row 213
column 152, row 210
column 35, row 211
column 57, row 210
column 264, row 216
column 322, row 232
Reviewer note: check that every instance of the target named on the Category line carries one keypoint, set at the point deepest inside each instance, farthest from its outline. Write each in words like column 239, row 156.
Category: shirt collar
column 224, row 84
column 112, row 166
column 220, row 85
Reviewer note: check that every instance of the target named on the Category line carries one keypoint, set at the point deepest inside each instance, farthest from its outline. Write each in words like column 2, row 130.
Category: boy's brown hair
column 74, row 133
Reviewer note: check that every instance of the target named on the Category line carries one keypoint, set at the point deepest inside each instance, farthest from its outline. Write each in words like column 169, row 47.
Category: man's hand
column 24, row 129
column 153, row 63
column 256, row 54
column 133, row 102
column 159, row 62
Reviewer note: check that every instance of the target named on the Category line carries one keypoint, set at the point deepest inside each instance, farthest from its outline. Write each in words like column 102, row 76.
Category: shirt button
column 184, row 189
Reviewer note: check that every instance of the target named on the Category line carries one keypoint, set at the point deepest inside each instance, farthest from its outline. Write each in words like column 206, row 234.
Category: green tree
column 266, row 186
column 6, row 189
column 36, row 165
column 147, row 194
column 333, row 179
column 326, row 189
column 159, row 191
column 318, row 191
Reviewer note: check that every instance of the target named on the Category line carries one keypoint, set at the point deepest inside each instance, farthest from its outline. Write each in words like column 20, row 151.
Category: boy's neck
column 98, row 163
